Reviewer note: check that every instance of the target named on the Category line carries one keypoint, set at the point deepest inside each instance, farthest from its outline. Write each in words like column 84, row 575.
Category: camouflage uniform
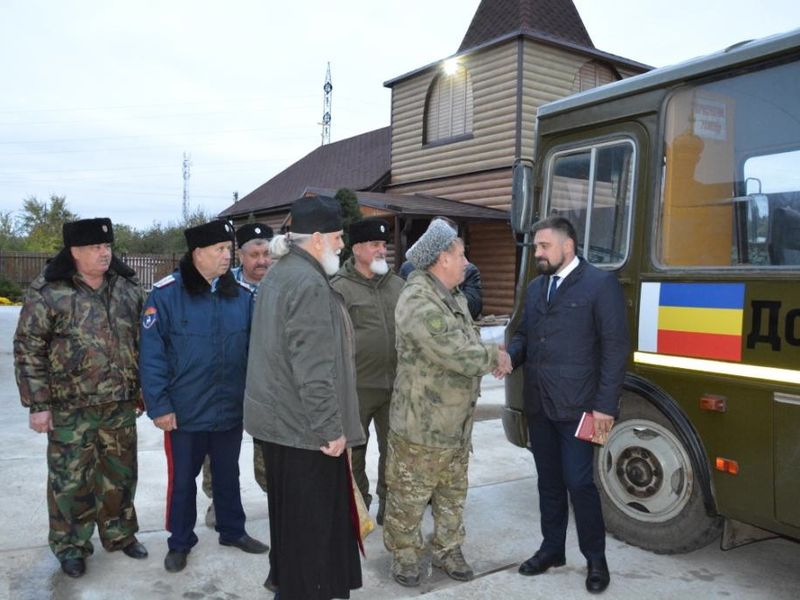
column 76, row 355
column 440, row 359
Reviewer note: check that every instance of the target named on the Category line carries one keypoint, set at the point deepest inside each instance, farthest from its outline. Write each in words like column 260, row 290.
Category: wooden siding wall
column 549, row 73
column 492, row 189
column 494, row 83
column 493, row 251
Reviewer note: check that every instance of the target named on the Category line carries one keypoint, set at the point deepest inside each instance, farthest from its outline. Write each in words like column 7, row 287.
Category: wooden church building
column 457, row 126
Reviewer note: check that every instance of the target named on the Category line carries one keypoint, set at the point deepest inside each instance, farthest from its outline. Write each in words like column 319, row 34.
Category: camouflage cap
column 436, row 239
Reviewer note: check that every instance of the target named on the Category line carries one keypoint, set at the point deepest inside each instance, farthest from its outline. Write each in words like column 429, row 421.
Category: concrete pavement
column 501, row 520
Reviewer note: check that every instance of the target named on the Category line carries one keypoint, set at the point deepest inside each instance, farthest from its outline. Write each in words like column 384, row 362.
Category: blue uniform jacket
column 193, row 350
column 575, row 350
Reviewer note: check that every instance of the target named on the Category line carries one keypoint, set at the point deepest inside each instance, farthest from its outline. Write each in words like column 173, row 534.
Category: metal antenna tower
column 187, row 163
column 326, row 108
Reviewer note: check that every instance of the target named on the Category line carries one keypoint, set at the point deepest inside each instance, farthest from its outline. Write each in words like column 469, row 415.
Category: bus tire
column 648, row 489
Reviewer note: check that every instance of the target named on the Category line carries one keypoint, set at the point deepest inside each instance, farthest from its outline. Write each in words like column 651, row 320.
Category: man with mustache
column 440, row 361
column 195, row 333
column 301, row 402
column 75, row 352
column 370, row 290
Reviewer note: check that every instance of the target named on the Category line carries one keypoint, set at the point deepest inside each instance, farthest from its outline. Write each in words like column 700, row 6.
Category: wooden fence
column 23, row 267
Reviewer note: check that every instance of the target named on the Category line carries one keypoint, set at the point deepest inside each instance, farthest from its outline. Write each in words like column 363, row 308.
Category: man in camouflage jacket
column 76, row 356
column 440, row 359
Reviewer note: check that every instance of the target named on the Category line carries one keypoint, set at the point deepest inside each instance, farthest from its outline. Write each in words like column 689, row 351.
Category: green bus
column 685, row 182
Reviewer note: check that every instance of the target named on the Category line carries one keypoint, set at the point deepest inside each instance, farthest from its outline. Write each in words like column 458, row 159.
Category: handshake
column 503, row 367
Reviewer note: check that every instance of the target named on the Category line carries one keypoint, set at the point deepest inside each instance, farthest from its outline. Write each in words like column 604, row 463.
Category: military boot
column 454, row 565
column 406, row 572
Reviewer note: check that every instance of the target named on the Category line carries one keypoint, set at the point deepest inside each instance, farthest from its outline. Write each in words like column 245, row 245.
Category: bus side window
column 593, row 188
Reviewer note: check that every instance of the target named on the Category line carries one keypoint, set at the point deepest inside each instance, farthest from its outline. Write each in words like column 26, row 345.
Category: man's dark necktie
column 551, row 291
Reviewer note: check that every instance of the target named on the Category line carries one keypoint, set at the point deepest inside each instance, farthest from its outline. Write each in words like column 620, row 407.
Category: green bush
column 10, row 290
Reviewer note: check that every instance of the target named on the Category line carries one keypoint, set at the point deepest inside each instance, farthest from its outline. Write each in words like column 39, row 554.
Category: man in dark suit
column 573, row 343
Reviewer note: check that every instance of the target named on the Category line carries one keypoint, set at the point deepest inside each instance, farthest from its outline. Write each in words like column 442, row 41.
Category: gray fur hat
column 436, row 239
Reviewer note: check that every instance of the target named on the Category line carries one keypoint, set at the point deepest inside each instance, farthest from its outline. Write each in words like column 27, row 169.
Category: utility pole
column 326, row 108
column 187, row 163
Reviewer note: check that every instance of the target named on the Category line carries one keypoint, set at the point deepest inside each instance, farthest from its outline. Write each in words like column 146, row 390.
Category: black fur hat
column 208, row 234
column 369, row 230
column 253, row 231
column 87, row 232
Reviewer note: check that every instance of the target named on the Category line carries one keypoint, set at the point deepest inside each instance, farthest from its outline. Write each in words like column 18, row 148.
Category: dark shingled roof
column 555, row 19
column 421, row 205
column 361, row 162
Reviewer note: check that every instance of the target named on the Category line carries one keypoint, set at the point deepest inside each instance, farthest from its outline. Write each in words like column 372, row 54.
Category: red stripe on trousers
column 170, row 474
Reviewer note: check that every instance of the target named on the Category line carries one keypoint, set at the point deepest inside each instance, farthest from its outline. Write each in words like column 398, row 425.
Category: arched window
column 593, row 74
column 448, row 107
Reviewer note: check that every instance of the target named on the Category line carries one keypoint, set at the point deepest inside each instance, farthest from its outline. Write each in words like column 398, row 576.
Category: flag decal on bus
column 702, row 320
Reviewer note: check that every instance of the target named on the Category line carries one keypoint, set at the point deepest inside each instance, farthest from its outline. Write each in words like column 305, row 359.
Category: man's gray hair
column 279, row 245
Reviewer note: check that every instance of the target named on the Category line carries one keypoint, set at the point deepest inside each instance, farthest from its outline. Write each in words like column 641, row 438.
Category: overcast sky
column 99, row 99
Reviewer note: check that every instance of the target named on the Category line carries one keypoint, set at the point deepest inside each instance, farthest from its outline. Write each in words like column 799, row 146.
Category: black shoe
column 540, row 562
column 597, row 578
column 74, row 567
column 247, row 544
column 269, row 584
column 135, row 550
column 175, row 561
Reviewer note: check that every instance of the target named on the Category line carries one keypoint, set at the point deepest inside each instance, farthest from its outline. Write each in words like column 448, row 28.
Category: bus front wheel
column 648, row 489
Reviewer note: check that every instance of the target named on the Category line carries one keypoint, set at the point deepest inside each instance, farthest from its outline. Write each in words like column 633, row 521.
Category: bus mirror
column 522, row 196
column 758, row 218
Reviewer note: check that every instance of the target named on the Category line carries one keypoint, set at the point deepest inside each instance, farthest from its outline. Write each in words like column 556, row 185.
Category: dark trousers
column 564, row 464
column 314, row 552
column 185, row 453
column 373, row 405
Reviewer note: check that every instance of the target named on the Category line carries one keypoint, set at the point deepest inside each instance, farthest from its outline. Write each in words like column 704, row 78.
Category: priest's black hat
column 313, row 214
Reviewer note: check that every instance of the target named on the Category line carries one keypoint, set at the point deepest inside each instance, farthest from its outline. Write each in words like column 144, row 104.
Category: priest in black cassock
column 301, row 402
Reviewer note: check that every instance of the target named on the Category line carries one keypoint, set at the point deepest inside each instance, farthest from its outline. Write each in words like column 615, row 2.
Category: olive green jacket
column 301, row 379
column 371, row 304
column 75, row 346
column 440, row 360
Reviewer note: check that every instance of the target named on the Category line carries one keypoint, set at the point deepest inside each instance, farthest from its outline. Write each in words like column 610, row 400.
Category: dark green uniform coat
column 371, row 304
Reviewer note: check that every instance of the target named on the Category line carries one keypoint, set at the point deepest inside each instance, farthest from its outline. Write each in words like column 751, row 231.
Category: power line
column 147, row 135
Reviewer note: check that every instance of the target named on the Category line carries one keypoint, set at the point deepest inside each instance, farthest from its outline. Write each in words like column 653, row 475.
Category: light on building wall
column 450, row 66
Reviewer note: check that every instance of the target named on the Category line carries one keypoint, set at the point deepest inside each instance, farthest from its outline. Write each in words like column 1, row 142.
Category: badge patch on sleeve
column 149, row 319
column 435, row 324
